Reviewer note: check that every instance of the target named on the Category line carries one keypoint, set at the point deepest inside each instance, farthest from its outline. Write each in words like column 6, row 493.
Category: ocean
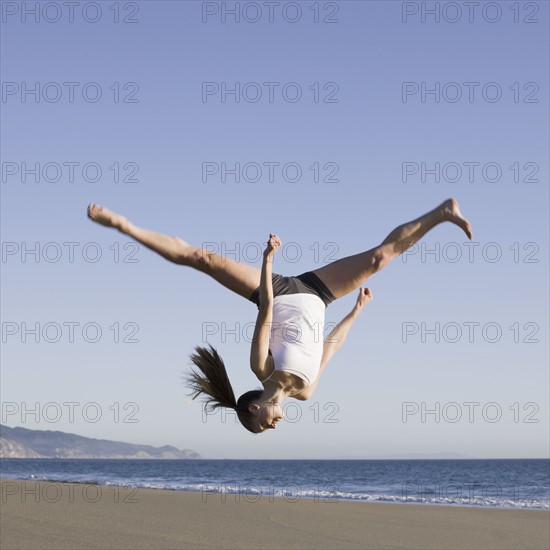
column 512, row 483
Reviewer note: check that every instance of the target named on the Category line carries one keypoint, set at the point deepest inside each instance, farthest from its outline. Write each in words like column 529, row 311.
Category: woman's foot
column 105, row 217
column 451, row 213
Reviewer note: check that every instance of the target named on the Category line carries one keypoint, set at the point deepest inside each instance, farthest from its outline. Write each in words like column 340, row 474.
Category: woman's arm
column 336, row 338
column 262, row 331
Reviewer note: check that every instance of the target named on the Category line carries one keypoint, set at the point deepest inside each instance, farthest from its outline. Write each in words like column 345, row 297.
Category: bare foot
column 105, row 217
column 451, row 212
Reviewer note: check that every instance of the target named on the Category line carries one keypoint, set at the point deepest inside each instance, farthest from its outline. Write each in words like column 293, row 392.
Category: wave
column 227, row 491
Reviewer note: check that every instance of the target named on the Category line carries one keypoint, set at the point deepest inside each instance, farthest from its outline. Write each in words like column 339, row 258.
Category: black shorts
column 307, row 283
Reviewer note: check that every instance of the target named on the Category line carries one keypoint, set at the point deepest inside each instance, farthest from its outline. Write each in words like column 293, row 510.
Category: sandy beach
column 54, row 515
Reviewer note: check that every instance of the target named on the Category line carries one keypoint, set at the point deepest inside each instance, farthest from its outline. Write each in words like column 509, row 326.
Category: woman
column 286, row 355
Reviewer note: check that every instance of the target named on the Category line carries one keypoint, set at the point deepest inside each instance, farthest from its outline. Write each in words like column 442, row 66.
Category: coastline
column 37, row 514
column 237, row 492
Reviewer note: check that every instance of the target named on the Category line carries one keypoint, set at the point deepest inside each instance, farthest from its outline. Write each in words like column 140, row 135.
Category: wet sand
column 66, row 515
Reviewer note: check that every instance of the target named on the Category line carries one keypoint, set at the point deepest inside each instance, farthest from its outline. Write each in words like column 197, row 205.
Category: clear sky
column 352, row 117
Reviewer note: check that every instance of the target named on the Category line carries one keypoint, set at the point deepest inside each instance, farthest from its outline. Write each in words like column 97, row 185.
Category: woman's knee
column 199, row 258
column 380, row 257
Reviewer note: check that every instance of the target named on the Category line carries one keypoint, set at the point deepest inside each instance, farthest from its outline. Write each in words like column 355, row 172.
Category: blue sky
column 352, row 158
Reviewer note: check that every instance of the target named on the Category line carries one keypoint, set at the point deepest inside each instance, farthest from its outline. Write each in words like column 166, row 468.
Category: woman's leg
column 345, row 275
column 240, row 278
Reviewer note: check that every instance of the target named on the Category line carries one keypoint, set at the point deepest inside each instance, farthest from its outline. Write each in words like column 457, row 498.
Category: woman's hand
column 272, row 245
column 364, row 298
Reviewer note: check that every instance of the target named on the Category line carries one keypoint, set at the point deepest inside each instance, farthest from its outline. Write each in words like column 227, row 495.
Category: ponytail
column 212, row 383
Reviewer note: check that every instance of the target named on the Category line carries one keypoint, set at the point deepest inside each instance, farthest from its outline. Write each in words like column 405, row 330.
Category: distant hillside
column 25, row 443
column 12, row 449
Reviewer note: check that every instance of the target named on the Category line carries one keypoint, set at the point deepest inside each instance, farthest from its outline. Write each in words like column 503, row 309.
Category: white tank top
column 296, row 339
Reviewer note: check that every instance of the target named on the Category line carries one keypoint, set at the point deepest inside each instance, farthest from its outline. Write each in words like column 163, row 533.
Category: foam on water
column 516, row 484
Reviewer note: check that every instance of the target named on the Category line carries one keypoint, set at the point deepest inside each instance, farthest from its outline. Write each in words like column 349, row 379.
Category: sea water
column 513, row 483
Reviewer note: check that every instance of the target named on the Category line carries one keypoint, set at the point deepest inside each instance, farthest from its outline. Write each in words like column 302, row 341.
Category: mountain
column 12, row 449
column 25, row 443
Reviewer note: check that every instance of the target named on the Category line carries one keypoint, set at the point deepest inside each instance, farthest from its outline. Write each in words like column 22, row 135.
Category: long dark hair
column 212, row 383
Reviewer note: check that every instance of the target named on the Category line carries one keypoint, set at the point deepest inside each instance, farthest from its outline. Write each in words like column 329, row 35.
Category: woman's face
column 268, row 415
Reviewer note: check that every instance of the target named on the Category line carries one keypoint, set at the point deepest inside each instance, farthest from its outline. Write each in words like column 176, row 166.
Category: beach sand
column 64, row 515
